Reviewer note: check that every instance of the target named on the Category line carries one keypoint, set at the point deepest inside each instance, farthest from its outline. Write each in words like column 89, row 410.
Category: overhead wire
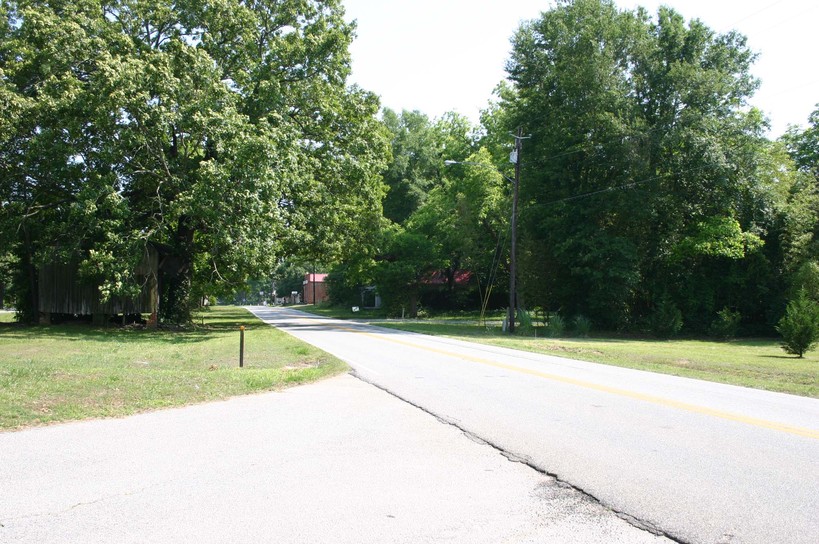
column 755, row 13
column 499, row 247
column 618, row 187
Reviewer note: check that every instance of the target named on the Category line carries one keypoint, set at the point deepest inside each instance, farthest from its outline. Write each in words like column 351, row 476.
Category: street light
column 514, row 158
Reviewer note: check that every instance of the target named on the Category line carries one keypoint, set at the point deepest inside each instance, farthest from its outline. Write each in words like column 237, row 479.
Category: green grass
column 339, row 312
column 68, row 372
column 757, row 363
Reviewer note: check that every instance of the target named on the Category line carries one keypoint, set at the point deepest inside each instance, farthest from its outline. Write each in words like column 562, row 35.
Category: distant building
column 370, row 299
column 315, row 288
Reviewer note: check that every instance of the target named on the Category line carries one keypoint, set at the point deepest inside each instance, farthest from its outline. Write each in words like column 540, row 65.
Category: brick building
column 314, row 288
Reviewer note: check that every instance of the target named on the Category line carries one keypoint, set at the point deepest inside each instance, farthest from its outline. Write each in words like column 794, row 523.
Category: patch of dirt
column 299, row 366
column 566, row 349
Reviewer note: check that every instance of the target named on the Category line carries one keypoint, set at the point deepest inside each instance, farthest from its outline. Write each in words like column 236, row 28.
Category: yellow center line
column 661, row 401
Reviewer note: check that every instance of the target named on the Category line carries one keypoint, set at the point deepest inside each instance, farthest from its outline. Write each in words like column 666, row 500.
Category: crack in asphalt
column 642, row 525
column 73, row 506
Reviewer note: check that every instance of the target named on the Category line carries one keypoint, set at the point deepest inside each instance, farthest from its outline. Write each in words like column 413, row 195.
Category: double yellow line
column 660, row 401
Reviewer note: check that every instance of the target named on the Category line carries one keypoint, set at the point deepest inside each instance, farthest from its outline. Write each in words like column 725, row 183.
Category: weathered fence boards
column 62, row 291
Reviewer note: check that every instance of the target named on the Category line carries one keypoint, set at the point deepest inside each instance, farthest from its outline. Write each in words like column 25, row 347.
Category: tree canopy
column 224, row 134
column 224, row 131
column 642, row 180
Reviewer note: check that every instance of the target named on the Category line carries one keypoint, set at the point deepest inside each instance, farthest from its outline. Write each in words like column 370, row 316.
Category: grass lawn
column 381, row 314
column 67, row 372
column 341, row 313
column 757, row 363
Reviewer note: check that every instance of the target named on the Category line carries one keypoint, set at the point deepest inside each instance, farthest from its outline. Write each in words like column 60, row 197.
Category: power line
column 757, row 12
column 619, row 187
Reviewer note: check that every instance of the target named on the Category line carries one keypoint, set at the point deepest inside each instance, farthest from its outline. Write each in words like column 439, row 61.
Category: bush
column 806, row 277
column 726, row 324
column 555, row 326
column 582, row 326
column 666, row 321
column 799, row 326
column 525, row 322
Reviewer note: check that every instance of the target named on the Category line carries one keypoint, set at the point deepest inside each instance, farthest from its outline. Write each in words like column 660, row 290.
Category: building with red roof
column 314, row 288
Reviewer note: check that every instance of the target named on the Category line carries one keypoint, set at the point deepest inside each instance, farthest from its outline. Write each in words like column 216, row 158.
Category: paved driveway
column 335, row 462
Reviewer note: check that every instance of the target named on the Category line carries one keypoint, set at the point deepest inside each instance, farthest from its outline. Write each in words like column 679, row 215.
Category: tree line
column 226, row 133
column 651, row 199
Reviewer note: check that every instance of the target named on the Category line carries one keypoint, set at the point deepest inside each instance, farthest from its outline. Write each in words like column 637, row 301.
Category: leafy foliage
column 803, row 144
column 718, row 237
column 288, row 277
column 419, row 148
column 441, row 218
column 646, row 174
column 799, row 326
column 582, row 326
column 555, row 325
column 407, row 259
column 467, row 216
column 222, row 131
column 726, row 324
column 666, row 320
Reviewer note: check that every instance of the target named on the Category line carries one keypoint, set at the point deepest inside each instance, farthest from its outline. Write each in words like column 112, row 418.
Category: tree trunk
column 450, row 278
column 175, row 304
column 30, row 300
column 413, row 303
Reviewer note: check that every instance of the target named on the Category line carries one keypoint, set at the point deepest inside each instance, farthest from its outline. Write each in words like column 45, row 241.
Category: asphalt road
column 697, row 461
column 337, row 462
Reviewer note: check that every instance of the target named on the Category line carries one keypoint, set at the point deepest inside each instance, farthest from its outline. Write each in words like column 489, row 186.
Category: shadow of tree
column 226, row 320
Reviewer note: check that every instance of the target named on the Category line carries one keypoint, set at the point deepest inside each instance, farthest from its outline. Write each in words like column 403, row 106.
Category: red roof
column 318, row 278
column 438, row 277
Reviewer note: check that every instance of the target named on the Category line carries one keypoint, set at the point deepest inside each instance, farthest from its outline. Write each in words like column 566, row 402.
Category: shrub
column 726, row 324
column 555, row 326
column 799, row 326
column 666, row 321
column 582, row 326
column 526, row 325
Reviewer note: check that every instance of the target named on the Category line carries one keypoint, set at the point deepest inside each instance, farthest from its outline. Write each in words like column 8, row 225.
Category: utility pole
column 513, row 264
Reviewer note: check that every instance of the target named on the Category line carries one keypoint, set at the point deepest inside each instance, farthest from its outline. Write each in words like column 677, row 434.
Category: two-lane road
column 698, row 461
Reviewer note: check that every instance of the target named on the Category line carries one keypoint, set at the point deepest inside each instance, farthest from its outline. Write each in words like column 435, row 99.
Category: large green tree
column 406, row 258
column 801, row 222
column 803, row 144
column 419, row 148
column 222, row 130
column 640, row 181
column 467, row 215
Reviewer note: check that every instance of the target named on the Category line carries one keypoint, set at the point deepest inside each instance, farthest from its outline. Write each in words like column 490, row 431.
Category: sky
column 448, row 55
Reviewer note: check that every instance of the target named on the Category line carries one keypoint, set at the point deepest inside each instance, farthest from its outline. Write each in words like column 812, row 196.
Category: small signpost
column 241, row 346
